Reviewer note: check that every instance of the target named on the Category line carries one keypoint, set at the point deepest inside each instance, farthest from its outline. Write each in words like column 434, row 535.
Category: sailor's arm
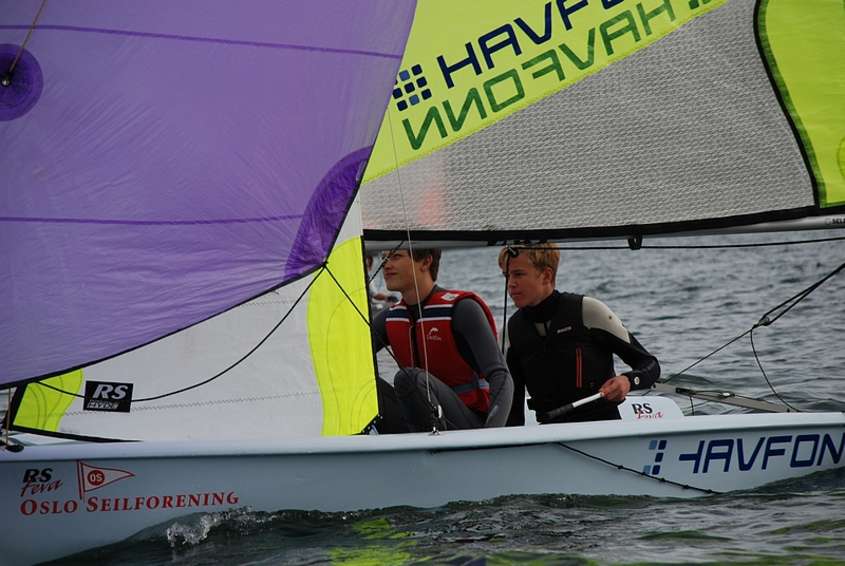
column 517, row 416
column 470, row 323
column 378, row 331
column 645, row 369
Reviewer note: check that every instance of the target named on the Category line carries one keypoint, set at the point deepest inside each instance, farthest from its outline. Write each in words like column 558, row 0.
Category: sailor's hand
column 616, row 388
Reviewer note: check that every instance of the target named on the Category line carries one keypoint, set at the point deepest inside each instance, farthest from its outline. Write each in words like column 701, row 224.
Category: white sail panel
column 274, row 392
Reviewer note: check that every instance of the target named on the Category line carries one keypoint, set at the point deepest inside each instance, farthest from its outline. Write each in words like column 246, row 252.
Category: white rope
column 411, row 252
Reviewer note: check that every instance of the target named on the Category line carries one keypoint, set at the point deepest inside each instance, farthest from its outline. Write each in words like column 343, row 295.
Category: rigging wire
column 701, row 359
column 749, row 245
column 766, row 320
column 6, row 78
column 413, row 273
column 637, row 472
column 384, row 261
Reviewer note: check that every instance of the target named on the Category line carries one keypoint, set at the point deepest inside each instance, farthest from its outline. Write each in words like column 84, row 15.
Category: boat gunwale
column 445, row 441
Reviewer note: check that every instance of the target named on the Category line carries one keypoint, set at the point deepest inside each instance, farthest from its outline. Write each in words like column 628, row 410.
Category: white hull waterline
column 88, row 495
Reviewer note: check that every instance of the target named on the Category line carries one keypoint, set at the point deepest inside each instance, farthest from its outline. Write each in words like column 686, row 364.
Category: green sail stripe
column 469, row 65
column 803, row 43
column 43, row 408
column 341, row 347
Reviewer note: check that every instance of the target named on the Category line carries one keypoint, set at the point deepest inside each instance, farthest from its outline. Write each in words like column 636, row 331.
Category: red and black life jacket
column 441, row 350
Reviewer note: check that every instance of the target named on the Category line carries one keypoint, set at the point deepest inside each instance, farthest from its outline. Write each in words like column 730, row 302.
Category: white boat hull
column 88, row 495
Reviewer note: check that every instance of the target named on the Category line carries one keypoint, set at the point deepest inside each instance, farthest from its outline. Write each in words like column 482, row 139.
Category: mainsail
column 520, row 120
column 170, row 162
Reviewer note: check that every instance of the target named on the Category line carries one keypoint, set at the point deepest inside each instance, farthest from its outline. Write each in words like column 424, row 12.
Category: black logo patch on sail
column 107, row 396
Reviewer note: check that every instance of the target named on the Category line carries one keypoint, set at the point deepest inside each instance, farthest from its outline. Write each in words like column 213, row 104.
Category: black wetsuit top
column 560, row 359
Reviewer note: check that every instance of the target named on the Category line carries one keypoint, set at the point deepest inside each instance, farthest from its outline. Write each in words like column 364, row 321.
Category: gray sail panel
column 688, row 129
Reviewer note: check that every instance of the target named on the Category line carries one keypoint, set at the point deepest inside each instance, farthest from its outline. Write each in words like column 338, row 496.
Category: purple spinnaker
column 162, row 162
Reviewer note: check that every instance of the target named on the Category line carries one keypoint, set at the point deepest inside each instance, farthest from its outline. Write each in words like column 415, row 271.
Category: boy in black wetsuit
column 562, row 344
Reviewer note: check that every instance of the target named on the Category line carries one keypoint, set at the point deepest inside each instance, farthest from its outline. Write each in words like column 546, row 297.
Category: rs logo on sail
column 798, row 451
column 107, row 396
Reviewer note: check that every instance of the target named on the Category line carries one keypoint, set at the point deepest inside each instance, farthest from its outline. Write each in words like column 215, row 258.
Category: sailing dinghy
column 182, row 279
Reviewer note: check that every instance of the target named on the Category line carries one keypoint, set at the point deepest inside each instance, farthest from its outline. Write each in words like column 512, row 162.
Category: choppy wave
column 800, row 519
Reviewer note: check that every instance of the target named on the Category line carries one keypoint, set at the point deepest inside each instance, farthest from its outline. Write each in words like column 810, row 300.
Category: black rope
column 384, row 260
column 690, row 247
column 366, row 320
column 510, row 253
column 345, row 294
column 219, row 374
column 749, row 245
column 698, row 361
column 639, row 473
column 766, row 320
column 766, row 377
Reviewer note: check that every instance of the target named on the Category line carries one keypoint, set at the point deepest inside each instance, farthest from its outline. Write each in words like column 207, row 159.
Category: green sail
column 804, row 43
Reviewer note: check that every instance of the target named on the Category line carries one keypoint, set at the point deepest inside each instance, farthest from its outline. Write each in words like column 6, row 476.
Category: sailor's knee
column 407, row 380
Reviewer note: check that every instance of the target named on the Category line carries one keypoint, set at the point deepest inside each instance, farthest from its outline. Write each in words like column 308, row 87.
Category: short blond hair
column 541, row 256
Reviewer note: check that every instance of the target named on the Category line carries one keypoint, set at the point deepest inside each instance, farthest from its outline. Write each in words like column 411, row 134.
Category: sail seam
column 46, row 220
column 219, row 40
column 413, row 271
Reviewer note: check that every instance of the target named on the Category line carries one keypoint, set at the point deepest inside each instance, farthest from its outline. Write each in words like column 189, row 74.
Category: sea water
column 682, row 304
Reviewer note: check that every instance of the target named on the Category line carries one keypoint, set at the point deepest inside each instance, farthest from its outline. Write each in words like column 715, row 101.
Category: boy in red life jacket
column 451, row 333
column 562, row 344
